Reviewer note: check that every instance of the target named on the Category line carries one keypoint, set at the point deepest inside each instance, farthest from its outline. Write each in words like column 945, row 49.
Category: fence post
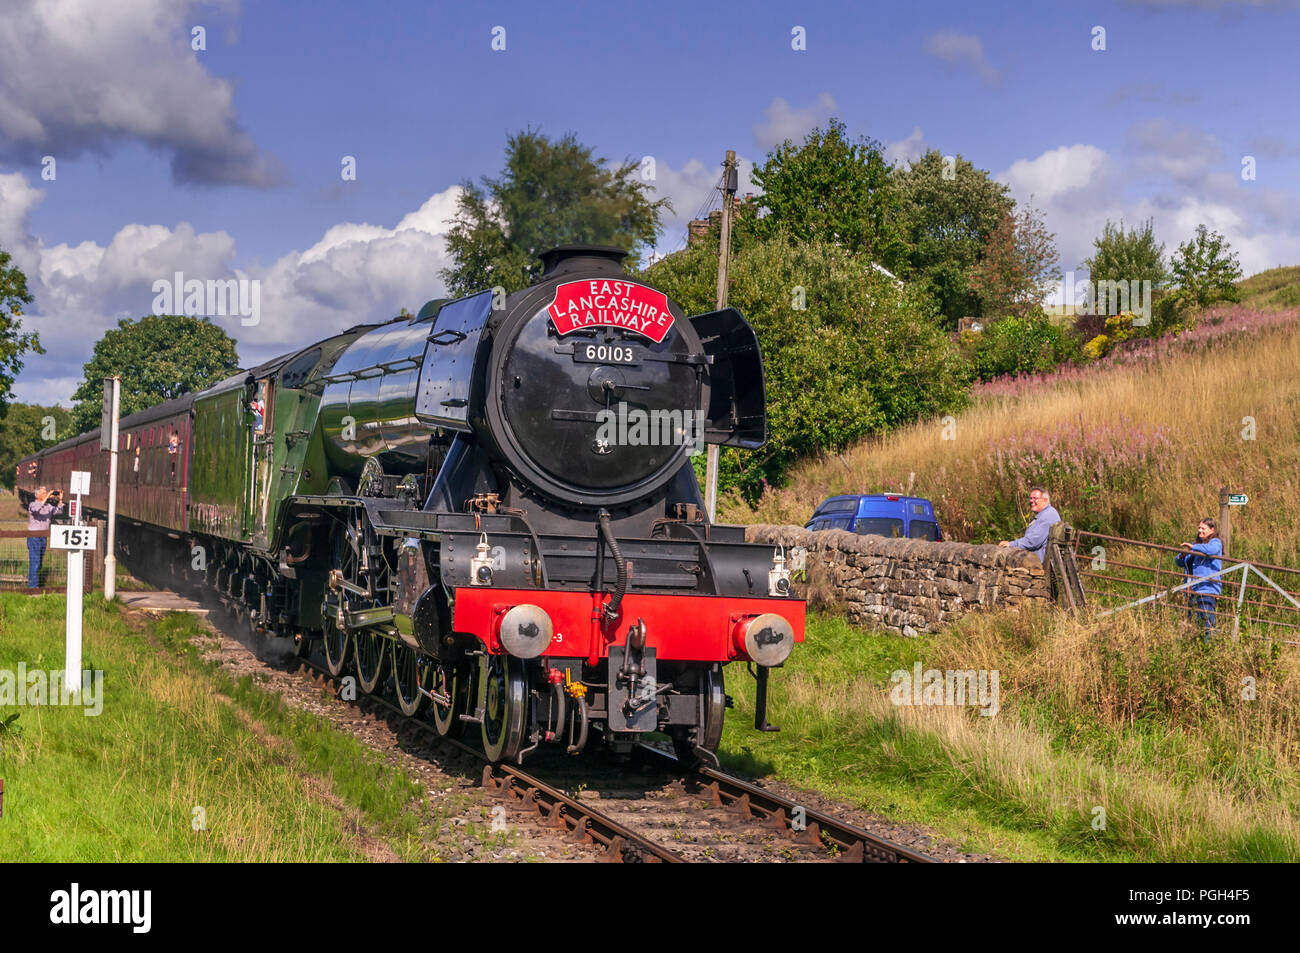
column 1225, row 521
column 1241, row 599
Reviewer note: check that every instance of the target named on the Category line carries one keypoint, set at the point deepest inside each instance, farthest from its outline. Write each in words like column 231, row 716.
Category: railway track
column 728, row 808
column 851, row 844
column 508, row 782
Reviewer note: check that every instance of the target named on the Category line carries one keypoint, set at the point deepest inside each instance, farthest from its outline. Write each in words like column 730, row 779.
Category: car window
column 919, row 509
column 837, row 522
column 837, row 506
column 878, row 526
column 923, row 529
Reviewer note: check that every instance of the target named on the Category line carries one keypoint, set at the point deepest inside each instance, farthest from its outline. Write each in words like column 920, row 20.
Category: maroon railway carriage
column 152, row 469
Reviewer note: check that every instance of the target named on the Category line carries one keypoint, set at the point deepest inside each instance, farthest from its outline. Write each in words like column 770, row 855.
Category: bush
column 1098, row 347
column 846, row 352
column 1029, row 345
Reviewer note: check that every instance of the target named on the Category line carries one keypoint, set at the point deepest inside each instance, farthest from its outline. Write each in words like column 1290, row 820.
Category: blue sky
column 226, row 162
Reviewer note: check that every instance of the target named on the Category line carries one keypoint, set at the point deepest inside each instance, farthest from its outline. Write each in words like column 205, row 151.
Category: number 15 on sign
column 72, row 537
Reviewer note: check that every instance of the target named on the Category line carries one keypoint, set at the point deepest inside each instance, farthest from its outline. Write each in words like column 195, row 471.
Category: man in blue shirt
column 1045, row 517
column 1198, row 559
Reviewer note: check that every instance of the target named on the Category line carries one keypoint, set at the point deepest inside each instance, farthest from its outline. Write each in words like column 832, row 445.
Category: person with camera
column 1203, row 559
column 40, row 511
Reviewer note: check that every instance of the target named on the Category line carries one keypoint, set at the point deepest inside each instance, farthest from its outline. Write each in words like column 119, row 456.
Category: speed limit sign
column 72, row 537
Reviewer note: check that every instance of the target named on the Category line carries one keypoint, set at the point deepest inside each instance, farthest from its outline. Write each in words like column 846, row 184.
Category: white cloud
column 690, row 189
column 81, row 75
column 353, row 274
column 957, row 48
column 908, row 149
column 17, row 200
column 1180, row 176
column 781, row 121
column 1055, row 172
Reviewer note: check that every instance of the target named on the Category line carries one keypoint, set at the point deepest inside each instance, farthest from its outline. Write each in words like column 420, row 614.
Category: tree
column 846, row 353
column 159, row 357
column 14, row 343
column 1019, row 266
column 949, row 210
column 29, row 428
column 832, row 189
column 1205, row 270
column 548, row 194
column 1120, row 255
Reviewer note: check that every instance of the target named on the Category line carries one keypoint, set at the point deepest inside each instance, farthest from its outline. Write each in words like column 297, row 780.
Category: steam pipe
column 581, row 715
column 620, row 564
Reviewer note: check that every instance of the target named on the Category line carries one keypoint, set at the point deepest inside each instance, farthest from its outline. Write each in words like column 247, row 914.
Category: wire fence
column 1258, row 600
column 16, row 563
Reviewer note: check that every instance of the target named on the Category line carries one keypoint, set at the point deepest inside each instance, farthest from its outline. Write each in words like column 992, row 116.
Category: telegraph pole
column 729, row 185
column 108, row 428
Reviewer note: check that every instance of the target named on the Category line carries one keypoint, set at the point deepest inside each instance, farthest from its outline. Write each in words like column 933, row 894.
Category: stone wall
column 908, row 585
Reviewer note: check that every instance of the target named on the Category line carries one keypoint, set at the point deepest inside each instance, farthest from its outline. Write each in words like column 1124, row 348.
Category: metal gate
column 1119, row 573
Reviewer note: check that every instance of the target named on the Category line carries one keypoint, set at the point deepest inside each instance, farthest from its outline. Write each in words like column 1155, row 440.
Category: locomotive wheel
column 446, row 718
column 371, row 657
column 409, row 676
column 708, row 735
column 503, row 695
column 338, row 647
column 302, row 645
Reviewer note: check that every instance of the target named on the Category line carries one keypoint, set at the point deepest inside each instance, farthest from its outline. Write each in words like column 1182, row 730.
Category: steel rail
column 854, row 844
column 510, row 782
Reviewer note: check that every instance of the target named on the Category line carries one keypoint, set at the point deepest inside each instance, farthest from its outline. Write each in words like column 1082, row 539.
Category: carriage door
column 263, row 452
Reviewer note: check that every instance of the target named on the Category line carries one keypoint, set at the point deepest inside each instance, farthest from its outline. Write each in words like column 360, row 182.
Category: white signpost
column 76, row 539
column 108, row 441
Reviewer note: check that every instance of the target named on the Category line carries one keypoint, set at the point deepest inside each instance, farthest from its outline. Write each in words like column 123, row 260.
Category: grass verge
column 179, row 746
column 1127, row 741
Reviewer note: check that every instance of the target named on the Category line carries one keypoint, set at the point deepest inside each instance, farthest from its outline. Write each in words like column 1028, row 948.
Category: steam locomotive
column 488, row 509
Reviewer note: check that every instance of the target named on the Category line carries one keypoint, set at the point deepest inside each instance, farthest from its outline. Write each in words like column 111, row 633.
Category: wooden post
column 1225, row 519
column 729, row 184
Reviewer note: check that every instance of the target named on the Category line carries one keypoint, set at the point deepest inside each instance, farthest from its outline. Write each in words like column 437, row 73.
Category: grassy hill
column 1272, row 289
column 1135, row 445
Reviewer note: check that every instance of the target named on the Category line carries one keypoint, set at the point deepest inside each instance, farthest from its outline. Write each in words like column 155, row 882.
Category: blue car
column 880, row 514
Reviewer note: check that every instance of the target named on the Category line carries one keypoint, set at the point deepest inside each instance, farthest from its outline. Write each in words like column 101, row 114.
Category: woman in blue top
column 1201, row 558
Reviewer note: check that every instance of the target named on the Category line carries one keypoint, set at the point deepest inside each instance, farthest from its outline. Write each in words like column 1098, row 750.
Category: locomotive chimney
column 568, row 259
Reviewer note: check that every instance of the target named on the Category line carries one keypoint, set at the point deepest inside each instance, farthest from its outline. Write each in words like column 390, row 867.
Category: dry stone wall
column 908, row 585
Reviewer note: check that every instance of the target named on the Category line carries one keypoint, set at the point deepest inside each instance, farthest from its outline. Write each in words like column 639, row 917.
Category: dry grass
column 1136, row 448
column 1132, row 715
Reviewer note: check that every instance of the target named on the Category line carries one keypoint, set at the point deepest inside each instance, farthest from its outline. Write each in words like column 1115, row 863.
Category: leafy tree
column 949, row 210
column 832, row 189
column 1120, row 255
column 159, row 357
column 846, row 352
column 548, row 194
column 1205, row 269
column 1019, row 265
column 13, row 342
column 29, row 428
